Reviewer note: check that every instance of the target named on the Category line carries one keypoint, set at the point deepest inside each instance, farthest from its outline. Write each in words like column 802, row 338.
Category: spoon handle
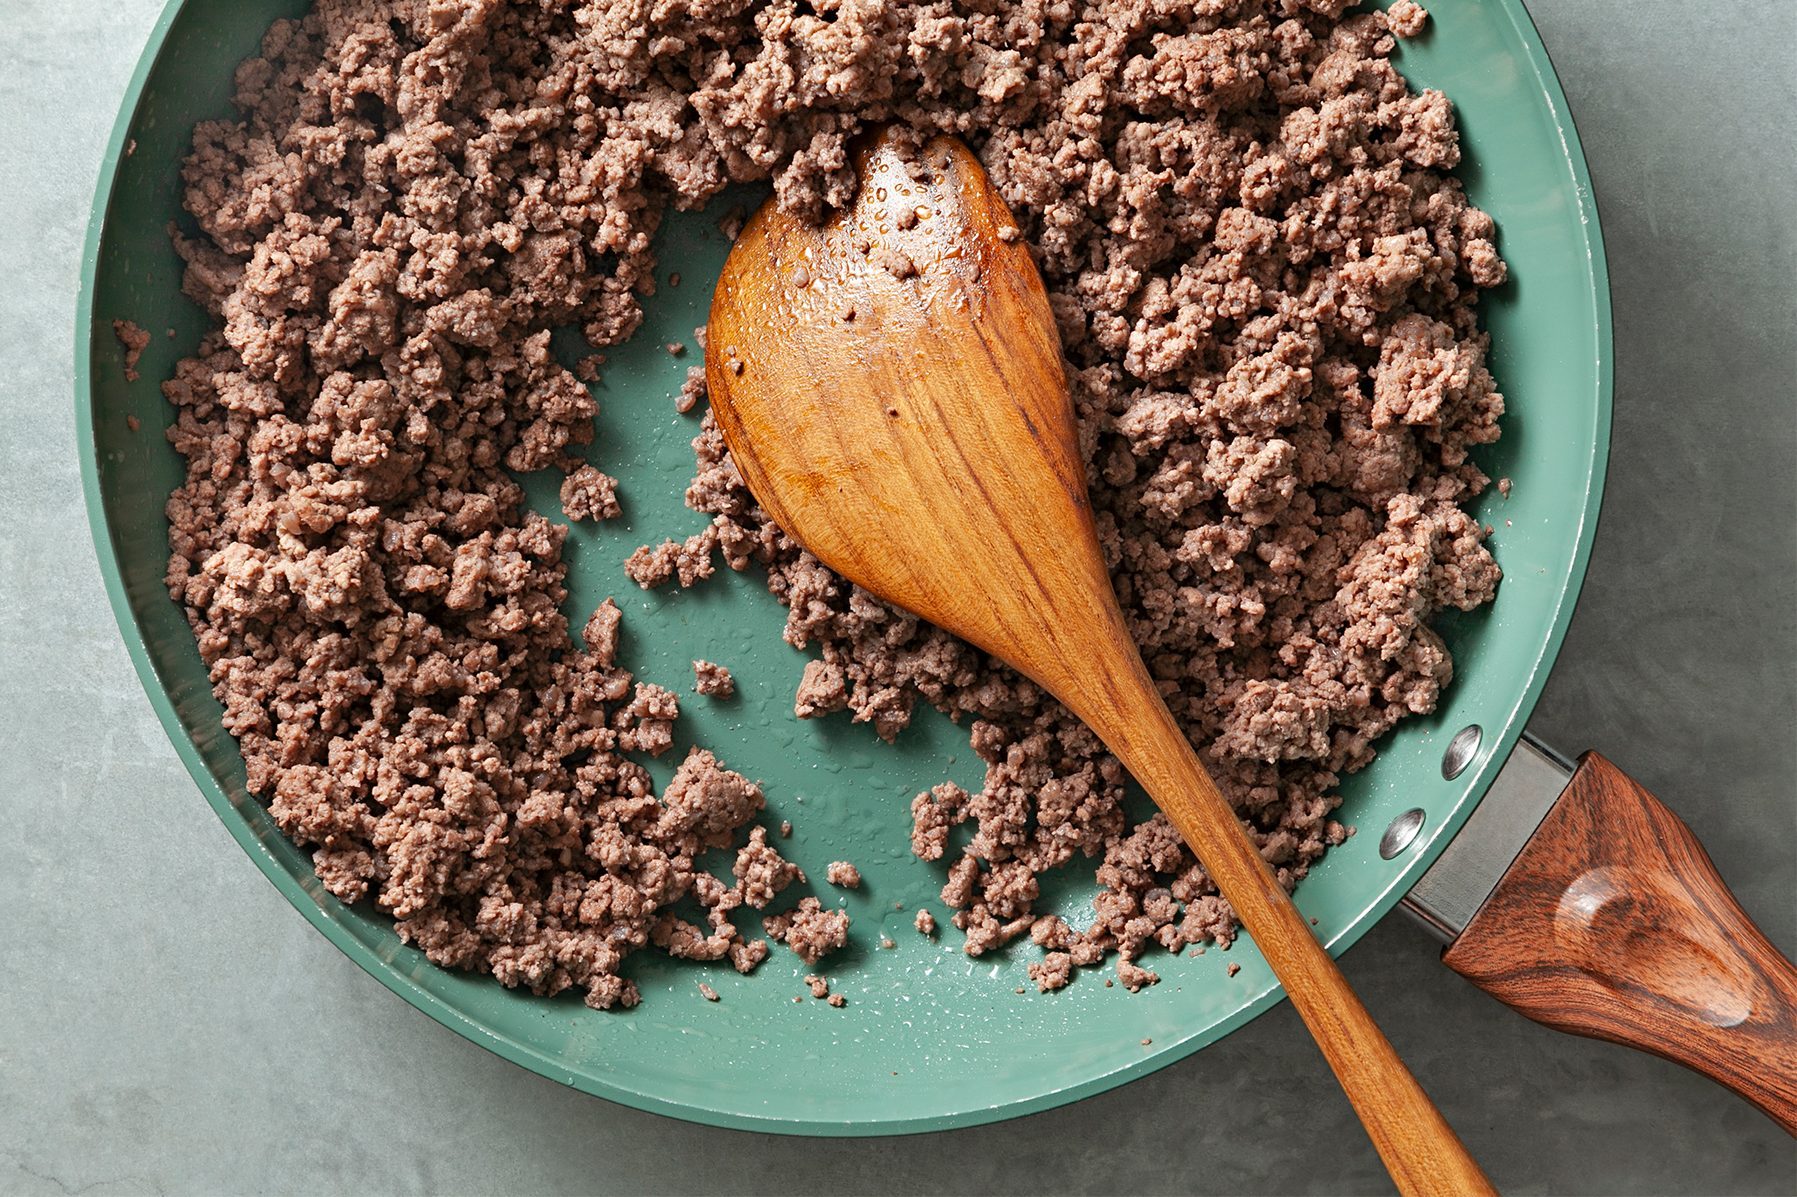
column 1419, row 1148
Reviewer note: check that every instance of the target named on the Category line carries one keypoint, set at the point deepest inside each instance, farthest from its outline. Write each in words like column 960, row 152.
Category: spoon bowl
column 860, row 349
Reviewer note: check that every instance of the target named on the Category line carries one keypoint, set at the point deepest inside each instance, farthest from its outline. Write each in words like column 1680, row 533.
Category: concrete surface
column 169, row 1024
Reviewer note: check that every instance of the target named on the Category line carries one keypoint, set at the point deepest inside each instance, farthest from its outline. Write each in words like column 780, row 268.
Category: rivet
column 1402, row 831
column 1461, row 750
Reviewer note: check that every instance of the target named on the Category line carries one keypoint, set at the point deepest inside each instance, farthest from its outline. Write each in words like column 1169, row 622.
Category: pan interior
column 930, row 1038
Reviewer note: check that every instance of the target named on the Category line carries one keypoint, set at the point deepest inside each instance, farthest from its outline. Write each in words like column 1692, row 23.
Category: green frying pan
column 930, row 1038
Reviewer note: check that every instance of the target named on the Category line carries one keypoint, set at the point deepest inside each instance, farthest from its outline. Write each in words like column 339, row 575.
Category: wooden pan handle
column 1613, row 923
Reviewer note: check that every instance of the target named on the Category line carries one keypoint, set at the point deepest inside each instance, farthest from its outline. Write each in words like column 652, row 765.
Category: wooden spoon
column 891, row 388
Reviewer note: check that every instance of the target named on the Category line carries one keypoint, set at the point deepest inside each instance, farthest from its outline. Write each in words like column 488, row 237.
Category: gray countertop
column 169, row 1024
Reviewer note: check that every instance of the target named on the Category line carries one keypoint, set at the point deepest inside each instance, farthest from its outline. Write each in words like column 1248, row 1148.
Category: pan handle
column 1613, row 923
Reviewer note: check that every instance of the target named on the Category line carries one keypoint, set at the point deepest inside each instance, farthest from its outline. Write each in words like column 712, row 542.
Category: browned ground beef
column 809, row 929
column 135, row 340
column 713, row 680
column 1265, row 284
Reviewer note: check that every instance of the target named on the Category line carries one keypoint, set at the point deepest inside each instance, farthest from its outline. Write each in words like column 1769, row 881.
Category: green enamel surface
column 931, row 1038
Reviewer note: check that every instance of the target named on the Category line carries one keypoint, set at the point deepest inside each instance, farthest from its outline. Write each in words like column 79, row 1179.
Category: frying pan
column 932, row 1038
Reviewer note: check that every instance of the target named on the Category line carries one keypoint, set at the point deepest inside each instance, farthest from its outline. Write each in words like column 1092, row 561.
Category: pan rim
column 525, row 1055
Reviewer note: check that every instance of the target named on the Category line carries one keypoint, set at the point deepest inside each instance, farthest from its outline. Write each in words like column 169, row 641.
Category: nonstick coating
column 930, row 1038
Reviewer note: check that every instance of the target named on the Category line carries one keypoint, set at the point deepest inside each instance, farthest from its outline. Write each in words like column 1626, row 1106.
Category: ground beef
column 1053, row 971
column 689, row 560
column 588, row 494
column 1265, row 284
column 925, row 922
column 823, row 688
column 1406, row 18
column 1134, row 977
column 809, row 930
column 601, row 633
column 135, row 340
column 691, row 391
column 842, row 873
column 761, row 872
column 820, row 989
column 713, row 680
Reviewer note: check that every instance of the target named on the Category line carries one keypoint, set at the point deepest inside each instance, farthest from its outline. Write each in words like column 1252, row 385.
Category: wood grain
column 891, row 388
column 1613, row 923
